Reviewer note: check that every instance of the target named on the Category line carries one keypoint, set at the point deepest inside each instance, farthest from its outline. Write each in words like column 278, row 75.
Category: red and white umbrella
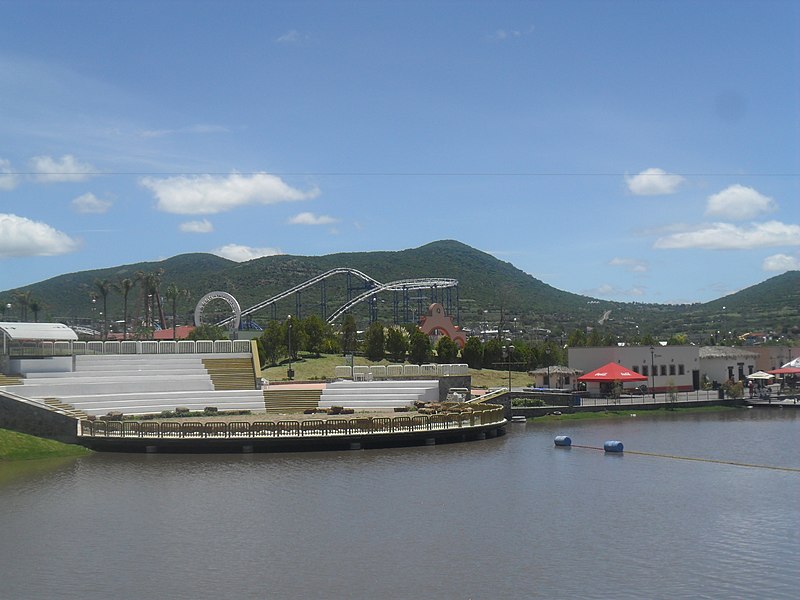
column 612, row 372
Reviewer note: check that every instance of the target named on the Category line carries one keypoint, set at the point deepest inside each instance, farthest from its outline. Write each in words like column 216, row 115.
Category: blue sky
column 632, row 151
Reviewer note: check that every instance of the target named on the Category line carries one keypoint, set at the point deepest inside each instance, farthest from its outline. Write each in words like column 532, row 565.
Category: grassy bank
column 19, row 446
column 309, row 368
column 626, row 414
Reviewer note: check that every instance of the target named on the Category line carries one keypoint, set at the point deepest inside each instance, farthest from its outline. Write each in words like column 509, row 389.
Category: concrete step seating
column 231, row 373
column 102, row 362
column 141, row 404
column 143, row 384
column 288, row 400
column 70, row 386
column 378, row 395
column 67, row 408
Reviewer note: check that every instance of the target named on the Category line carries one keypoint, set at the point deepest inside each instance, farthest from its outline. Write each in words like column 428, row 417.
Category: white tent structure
column 792, row 364
column 761, row 375
column 30, row 347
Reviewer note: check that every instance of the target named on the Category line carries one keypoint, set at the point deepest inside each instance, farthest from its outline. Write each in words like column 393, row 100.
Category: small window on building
column 672, row 369
column 663, row 370
column 646, row 371
column 635, row 369
column 681, row 370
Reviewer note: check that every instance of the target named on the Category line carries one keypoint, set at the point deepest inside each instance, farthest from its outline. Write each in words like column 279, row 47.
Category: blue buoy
column 613, row 446
column 563, row 440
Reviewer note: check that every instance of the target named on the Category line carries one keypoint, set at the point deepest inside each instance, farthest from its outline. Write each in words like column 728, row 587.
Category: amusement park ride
column 439, row 301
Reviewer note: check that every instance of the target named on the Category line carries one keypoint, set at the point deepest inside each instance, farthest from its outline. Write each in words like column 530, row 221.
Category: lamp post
column 652, row 372
column 509, row 350
column 290, row 372
column 547, row 354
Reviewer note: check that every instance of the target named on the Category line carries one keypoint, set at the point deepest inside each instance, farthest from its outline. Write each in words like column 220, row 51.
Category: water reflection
column 503, row 518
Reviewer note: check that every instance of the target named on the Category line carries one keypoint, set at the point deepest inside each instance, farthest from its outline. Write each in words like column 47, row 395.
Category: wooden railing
column 492, row 414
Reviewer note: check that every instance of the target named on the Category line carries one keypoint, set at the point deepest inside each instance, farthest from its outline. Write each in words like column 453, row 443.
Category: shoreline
column 626, row 414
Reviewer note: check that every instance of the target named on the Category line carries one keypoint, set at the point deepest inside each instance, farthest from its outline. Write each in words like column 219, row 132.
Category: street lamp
column 547, row 354
column 508, row 351
column 652, row 372
column 290, row 372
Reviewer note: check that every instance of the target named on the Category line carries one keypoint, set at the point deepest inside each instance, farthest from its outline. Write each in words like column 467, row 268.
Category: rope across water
column 708, row 460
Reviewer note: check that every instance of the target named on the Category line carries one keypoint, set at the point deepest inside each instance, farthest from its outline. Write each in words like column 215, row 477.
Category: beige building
column 721, row 363
column 666, row 367
column 681, row 368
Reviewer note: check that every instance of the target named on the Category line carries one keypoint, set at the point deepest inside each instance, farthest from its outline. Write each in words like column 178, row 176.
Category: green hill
column 490, row 291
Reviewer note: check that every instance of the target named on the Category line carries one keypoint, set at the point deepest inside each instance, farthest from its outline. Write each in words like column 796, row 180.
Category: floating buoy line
column 615, row 446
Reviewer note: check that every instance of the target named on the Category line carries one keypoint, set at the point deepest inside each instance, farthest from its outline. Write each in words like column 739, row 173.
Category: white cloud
column 631, row 264
column 291, row 37
column 739, row 202
column 654, row 182
column 607, row 290
column 781, row 262
column 502, row 35
column 67, row 168
column 200, row 128
column 242, row 253
column 207, row 194
column 307, row 218
column 89, row 203
column 8, row 180
column 23, row 237
column 725, row 236
column 202, row 226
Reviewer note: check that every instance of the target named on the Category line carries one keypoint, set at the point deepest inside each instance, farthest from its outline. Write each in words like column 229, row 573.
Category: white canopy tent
column 760, row 375
column 14, row 332
column 792, row 364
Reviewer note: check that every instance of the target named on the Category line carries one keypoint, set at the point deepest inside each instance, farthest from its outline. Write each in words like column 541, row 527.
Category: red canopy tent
column 785, row 371
column 612, row 372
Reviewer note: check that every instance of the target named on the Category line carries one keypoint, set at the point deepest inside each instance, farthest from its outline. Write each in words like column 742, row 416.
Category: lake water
column 511, row 517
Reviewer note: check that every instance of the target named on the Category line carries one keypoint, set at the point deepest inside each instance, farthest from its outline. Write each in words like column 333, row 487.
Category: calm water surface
column 512, row 517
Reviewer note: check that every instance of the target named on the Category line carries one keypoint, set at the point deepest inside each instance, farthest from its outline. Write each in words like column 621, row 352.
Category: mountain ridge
column 490, row 290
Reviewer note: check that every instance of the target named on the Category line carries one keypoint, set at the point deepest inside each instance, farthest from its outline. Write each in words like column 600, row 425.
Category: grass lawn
column 20, row 446
column 309, row 368
column 626, row 414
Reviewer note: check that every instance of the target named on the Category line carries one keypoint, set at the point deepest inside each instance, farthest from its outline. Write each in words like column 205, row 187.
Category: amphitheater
column 96, row 383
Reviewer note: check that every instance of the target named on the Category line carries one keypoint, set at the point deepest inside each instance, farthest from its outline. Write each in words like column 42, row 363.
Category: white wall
column 673, row 364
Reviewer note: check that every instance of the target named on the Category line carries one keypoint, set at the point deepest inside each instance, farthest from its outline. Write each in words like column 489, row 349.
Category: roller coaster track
column 377, row 287
column 394, row 286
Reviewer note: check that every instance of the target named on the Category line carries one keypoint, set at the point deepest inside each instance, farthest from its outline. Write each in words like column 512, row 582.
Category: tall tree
column 273, row 341
column 314, row 328
column 446, row 350
column 151, row 295
column 397, row 343
column 374, row 340
column 35, row 308
column 349, row 334
column 124, row 287
column 22, row 299
column 473, row 353
column 419, row 351
column 103, row 287
column 174, row 294
column 493, row 354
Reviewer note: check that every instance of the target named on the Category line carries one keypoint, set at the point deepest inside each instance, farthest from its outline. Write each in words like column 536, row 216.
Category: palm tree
column 173, row 294
column 35, row 307
column 124, row 286
column 151, row 284
column 104, row 287
column 24, row 299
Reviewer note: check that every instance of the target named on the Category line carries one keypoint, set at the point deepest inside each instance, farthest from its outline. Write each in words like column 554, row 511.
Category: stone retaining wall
column 35, row 420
